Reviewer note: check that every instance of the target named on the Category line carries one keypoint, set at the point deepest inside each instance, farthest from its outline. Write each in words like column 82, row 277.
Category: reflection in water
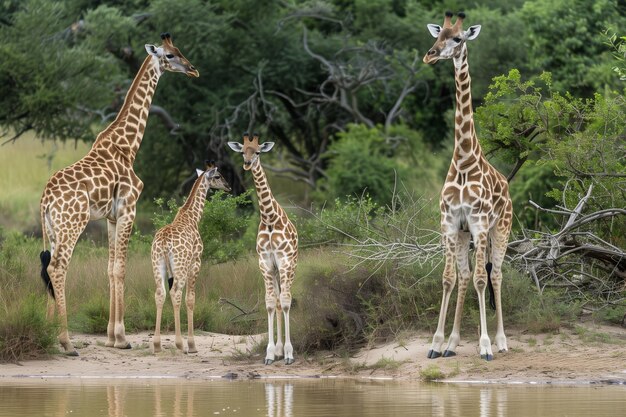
column 299, row 397
column 279, row 399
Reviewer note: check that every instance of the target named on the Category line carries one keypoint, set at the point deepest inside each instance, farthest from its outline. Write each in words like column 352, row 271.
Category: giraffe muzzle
column 431, row 56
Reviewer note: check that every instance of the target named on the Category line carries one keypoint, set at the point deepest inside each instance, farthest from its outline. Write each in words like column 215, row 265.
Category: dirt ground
column 586, row 353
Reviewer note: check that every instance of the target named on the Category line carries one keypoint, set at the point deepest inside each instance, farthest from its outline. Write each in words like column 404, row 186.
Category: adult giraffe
column 277, row 246
column 474, row 202
column 103, row 185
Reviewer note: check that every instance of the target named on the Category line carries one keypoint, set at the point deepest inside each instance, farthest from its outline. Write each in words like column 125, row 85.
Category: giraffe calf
column 176, row 253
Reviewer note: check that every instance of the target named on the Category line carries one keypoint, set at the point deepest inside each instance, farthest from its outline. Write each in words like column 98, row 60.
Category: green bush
column 360, row 162
column 25, row 332
column 346, row 219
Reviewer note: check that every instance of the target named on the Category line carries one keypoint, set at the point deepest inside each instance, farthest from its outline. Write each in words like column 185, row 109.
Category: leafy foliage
column 579, row 140
column 362, row 162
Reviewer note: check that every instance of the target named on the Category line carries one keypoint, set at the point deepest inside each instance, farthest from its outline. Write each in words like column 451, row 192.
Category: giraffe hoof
column 124, row 346
column 502, row 351
column 269, row 361
column 448, row 353
column 289, row 361
column 433, row 354
column 71, row 353
column 487, row 357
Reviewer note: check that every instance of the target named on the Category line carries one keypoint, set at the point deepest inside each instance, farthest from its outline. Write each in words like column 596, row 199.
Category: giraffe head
column 450, row 38
column 250, row 149
column 213, row 176
column 170, row 58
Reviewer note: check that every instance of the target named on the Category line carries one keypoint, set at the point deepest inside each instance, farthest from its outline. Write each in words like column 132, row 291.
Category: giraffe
column 474, row 203
column 277, row 246
column 103, row 184
column 176, row 252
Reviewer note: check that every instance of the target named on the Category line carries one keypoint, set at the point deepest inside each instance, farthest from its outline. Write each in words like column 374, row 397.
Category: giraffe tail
column 170, row 282
column 45, row 257
column 492, row 297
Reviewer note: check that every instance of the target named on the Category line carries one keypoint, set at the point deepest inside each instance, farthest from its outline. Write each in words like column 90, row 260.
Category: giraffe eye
column 457, row 40
column 169, row 56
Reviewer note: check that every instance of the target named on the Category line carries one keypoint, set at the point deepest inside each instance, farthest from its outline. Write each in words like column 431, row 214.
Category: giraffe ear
column 236, row 146
column 199, row 172
column 434, row 30
column 472, row 32
column 153, row 50
column 266, row 147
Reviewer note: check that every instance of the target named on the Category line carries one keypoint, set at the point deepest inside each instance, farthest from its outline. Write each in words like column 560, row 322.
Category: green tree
column 528, row 123
column 563, row 37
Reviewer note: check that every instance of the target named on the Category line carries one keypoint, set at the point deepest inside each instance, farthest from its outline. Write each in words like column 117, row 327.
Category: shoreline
column 563, row 359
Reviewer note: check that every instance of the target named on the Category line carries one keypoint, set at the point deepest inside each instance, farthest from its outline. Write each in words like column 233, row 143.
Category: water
column 300, row 398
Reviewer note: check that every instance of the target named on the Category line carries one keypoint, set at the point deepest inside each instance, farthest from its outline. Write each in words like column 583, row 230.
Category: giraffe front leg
column 286, row 306
column 123, row 230
column 190, row 299
column 279, row 350
column 462, row 263
column 448, row 283
column 285, row 303
column 270, row 305
column 111, row 229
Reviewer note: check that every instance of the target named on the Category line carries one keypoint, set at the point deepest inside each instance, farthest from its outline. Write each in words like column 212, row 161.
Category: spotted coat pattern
column 277, row 247
column 176, row 253
column 475, row 203
column 101, row 185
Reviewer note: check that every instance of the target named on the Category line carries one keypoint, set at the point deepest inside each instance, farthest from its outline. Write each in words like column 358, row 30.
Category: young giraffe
column 277, row 246
column 103, row 185
column 474, row 202
column 176, row 252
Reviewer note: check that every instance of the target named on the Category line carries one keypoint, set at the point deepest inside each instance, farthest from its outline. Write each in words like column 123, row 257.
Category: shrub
column 360, row 161
column 348, row 218
column 25, row 332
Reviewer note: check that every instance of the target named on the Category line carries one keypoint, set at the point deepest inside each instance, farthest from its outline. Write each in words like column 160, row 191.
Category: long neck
column 126, row 131
column 466, row 146
column 194, row 206
column 267, row 204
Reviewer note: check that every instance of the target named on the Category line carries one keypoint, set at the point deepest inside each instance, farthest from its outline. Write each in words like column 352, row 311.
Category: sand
column 582, row 354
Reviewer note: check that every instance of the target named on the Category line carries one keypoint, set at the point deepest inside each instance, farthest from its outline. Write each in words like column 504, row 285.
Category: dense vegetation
column 364, row 135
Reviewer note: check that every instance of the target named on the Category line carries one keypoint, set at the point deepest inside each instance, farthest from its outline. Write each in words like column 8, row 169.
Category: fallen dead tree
column 575, row 257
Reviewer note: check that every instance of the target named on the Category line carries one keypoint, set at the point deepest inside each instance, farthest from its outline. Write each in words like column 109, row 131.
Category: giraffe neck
column 194, row 206
column 267, row 208
column 466, row 146
column 125, row 133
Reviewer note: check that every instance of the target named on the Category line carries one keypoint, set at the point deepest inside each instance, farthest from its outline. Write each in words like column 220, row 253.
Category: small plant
column 387, row 364
column 431, row 373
